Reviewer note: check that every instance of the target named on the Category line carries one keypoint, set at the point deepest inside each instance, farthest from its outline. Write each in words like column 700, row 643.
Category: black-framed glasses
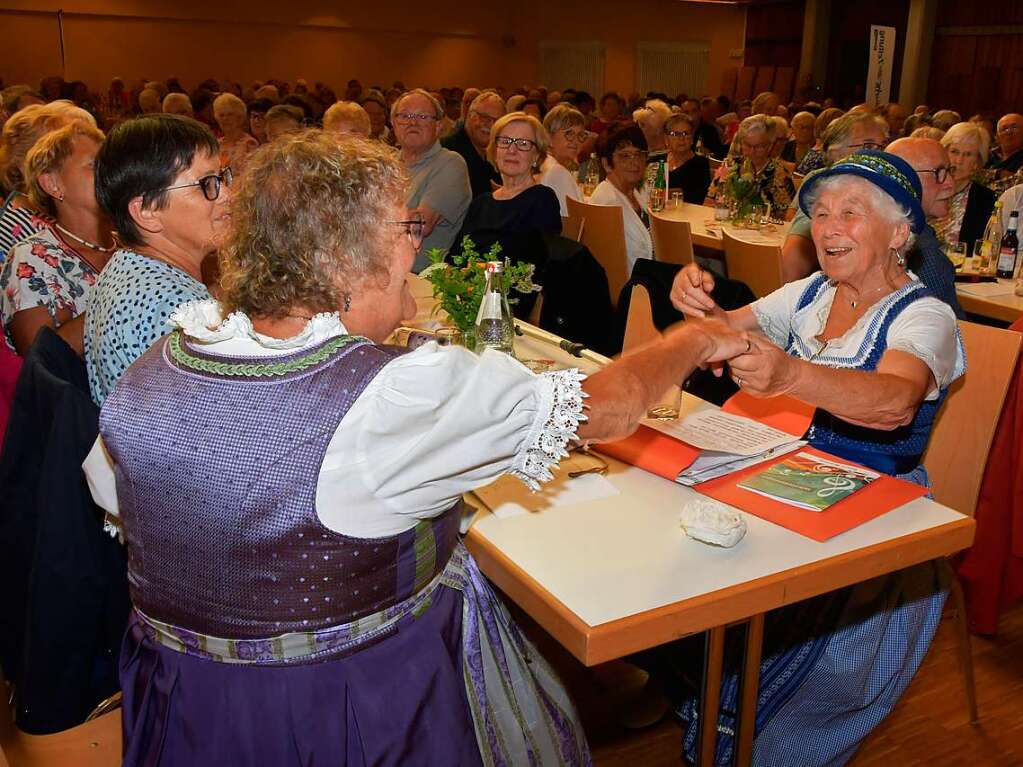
column 866, row 145
column 485, row 119
column 420, row 117
column 637, row 156
column 210, row 185
column 941, row 173
column 679, row 133
column 507, row 142
column 414, row 230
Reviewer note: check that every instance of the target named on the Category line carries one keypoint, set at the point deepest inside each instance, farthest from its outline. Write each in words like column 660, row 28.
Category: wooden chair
column 639, row 331
column 96, row 743
column 603, row 233
column 572, row 227
column 715, row 163
column 673, row 240
column 797, row 180
column 759, row 266
column 959, row 447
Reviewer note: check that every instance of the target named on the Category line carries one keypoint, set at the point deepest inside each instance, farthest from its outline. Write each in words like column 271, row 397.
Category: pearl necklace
column 82, row 241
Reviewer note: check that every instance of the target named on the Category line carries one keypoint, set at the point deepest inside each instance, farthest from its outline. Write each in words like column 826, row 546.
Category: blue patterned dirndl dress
column 834, row 666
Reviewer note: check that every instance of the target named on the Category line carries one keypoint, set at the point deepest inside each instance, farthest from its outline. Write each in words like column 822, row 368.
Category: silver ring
column 738, row 381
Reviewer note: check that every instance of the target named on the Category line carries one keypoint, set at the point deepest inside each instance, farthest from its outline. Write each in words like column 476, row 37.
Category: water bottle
column 659, row 190
column 590, row 173
column 987, row 249
column 494, row 327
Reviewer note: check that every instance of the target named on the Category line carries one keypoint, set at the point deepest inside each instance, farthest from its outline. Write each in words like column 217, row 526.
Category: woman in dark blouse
column 686, row 171
column 520, row 206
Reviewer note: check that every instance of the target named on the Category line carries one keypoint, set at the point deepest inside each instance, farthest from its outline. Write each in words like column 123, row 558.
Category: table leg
column 713, row 659
column 746, row 715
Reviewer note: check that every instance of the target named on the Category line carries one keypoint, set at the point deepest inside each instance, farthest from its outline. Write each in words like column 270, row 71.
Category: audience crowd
column 116, row 212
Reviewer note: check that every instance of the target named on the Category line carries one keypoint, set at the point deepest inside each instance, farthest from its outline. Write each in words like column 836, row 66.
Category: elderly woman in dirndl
column 866, row 343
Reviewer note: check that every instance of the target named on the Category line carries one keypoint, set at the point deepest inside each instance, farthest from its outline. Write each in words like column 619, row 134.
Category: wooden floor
column 929, row 726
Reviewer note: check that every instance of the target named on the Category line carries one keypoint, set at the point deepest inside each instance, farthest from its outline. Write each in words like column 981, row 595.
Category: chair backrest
column 572, row 227
column 759, row 266
column 603, row 232
column 715, row 163
column 640, row 330
column 797, row 180
column 961, row 438
column 673, row 240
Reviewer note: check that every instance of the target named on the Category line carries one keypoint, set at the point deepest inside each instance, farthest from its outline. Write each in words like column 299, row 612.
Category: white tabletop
column 994, row 300
column 699, row 216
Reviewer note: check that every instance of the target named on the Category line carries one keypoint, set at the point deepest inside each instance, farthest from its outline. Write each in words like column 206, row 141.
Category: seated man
column 282, row 120
column 1008, row 157
column 472, row 139
column 439, row 191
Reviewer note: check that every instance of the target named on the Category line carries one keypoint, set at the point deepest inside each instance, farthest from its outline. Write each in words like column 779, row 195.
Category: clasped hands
column 763, row 369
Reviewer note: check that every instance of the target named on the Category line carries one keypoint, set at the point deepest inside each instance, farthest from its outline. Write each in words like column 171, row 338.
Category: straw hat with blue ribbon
column 890, row 173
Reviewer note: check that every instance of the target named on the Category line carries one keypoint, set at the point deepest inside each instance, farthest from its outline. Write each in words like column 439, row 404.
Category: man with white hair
column 1008, row 157
column 346, row 118
column 471, row 140
column 439, row 192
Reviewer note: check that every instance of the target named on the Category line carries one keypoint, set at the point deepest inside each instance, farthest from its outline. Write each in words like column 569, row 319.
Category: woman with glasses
column 520, row 208
column 159, row 179
column 48, row 276
column 755, row 140
column 567, row 128
column 687, row 171
column 289, row 488
column 971, row 204
column 623, row 153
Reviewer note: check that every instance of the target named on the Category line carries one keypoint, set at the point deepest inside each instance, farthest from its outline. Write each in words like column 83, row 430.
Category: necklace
column 81, row 241
column 859, row 299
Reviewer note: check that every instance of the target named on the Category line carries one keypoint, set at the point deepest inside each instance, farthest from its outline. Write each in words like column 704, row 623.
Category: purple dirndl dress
column 262, row 637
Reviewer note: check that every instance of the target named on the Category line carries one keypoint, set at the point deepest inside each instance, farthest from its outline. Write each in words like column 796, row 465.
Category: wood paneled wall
column 977, row 62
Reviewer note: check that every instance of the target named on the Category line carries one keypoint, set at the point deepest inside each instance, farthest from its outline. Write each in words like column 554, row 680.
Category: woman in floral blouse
column 47, row 276
column 755, row 138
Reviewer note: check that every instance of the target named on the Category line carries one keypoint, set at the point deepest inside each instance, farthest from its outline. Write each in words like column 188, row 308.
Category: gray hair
column 438, row 110
column 945, row 119
column 563, row 117
column 963, row 132
column 680, row 117
column 802, row 117
column 753, row 124
column 890, row 210
column 836, row 136
column 179, row 99
column 487, row 95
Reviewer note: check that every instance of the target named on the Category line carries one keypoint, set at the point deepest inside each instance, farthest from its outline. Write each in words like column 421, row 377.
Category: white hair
column 965, row 132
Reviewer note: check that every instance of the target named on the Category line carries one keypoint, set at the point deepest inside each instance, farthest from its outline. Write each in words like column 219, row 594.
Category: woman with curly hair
column 289, row 492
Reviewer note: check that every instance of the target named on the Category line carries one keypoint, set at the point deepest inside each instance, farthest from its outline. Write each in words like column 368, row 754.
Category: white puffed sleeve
column 436, row 423
column 927, row 329
column 99, row 474
column 774, row 312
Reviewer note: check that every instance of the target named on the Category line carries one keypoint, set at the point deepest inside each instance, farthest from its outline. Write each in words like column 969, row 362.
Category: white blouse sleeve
column 99, row 474
column 438, row 422
column 927, row 329
column 563, row 183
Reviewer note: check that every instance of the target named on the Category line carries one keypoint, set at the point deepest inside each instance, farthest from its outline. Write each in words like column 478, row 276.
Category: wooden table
column 611, row 577
column 1005, row 307
column 698, row 215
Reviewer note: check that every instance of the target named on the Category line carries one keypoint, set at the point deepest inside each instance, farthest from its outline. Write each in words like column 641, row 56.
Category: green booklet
column 809, row 482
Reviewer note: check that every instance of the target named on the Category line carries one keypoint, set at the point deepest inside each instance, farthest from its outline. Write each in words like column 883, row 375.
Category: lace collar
column 203, row 322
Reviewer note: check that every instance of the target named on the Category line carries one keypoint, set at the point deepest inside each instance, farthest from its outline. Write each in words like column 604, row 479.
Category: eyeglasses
column 679, row 133
column 507, row 142
column 631, row 156
column 409, row 117
column 573, row 135
column 940, row 173
column 414, row 230
column 485, row 119
column 866, row 145
column 1009, row 129
column 210, row 185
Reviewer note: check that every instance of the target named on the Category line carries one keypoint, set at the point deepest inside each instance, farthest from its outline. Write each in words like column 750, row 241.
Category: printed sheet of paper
column 723, row 432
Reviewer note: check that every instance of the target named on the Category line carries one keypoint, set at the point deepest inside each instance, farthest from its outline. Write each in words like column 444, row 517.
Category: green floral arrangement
column 742, row 187
column 458, row 284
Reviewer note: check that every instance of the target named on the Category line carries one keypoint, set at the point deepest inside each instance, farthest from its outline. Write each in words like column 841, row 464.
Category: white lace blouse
column 433, row 424
column 926, row 329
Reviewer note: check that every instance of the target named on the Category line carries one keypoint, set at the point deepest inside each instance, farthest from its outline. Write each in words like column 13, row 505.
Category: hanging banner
column 879, row 72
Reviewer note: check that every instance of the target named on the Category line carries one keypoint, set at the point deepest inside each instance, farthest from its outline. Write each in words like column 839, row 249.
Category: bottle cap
column 495, row 266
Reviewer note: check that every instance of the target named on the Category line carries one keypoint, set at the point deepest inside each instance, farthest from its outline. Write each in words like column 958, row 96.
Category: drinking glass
column 449, row 336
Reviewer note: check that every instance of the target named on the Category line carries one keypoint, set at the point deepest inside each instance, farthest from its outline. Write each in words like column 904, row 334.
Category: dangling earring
column 348, row 302
column 899, row 258
column 60, row 197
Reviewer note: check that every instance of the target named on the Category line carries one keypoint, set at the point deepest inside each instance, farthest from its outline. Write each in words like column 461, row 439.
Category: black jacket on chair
column 64, row 605
column 980, row 201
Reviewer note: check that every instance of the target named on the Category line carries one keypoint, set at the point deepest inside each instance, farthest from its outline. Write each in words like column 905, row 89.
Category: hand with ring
column 764, row 370
column 690, row 293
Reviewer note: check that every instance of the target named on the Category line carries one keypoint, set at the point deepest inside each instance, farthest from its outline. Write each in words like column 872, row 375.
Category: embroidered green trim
column 883, row 167
column 267, row 369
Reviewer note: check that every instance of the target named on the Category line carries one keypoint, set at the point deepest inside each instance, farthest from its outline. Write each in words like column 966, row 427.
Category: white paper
column 710, row 465
column 723, row 432
column 508, row 497
column 987, row 289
